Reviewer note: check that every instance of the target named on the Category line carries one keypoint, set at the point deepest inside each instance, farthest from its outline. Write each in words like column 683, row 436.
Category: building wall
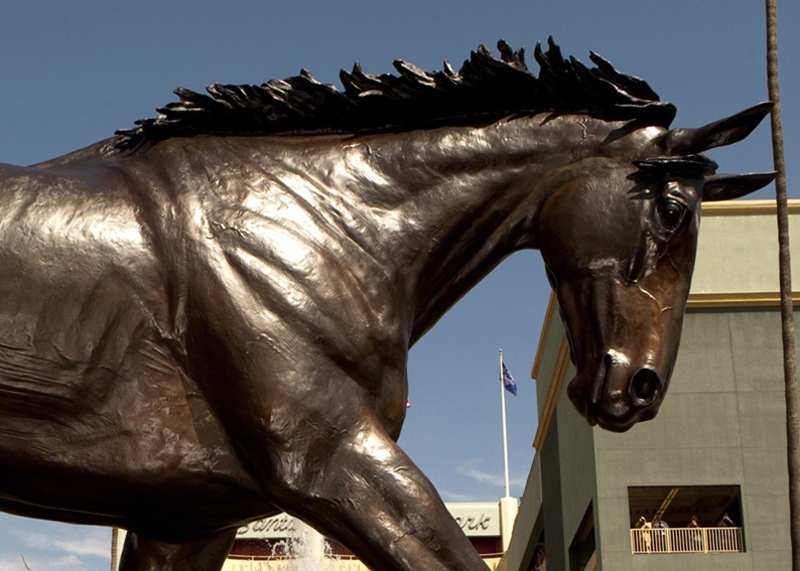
column 722, row 422
column 529, row 523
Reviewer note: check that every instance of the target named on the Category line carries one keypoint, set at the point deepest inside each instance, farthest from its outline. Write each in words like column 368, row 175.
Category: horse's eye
column 671, row 213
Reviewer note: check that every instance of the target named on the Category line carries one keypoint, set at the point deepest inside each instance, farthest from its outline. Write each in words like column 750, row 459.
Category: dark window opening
column 582, row 550
column 539, row 560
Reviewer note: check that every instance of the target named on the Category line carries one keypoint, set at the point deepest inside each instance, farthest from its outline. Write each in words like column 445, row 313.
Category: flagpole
column 505, row 432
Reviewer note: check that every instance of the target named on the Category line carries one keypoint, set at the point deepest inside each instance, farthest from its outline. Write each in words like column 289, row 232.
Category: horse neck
column 462, row 199
column 426, row 213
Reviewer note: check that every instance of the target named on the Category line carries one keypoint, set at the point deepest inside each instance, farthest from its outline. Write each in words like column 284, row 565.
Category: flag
column 508, row 381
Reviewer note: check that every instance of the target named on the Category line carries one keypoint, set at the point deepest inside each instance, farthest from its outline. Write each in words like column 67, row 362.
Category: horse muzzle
column 615, row 394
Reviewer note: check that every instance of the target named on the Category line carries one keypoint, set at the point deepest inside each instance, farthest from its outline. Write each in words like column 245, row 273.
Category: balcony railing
column 687, row 540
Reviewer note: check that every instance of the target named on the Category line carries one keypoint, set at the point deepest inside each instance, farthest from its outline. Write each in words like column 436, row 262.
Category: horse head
column 619, row 245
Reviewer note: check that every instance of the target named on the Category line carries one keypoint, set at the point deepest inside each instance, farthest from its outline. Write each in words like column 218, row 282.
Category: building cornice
column 552, row 307
column 747, row 207
column 738, row 299
column 553, row 391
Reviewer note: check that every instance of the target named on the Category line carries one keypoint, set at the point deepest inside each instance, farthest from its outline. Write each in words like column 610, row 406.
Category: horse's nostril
column 645, row 386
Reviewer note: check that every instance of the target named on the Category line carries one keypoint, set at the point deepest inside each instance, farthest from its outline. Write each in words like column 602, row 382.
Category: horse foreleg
column 144, row 554
column 367, row 494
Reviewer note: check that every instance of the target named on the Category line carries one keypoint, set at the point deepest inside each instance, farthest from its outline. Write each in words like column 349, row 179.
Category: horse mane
column 484, row 90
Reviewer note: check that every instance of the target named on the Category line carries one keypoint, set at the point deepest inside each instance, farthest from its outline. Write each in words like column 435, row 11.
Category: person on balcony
column 645, row 526
column 661, row 535
column 726, row 521
column 696, row 536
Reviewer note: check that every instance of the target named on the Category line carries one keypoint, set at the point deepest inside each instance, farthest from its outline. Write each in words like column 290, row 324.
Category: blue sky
column 73, row 72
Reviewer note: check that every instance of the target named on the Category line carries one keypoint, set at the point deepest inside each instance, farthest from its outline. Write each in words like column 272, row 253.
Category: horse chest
column 287, row 320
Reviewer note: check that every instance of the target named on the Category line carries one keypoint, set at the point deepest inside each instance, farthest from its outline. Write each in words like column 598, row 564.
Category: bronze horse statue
column 206, row 319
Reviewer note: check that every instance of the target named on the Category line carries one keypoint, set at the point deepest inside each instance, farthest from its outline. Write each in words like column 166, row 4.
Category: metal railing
column 289, row 564
column 687, row 540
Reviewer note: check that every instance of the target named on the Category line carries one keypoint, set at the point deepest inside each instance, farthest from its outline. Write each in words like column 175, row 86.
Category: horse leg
column 144, row 554
column 367, row 494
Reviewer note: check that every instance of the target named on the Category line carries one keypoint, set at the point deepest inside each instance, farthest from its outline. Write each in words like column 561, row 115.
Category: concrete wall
column 529, row 523
column 566, row 461
column 723, row 420
column 722, row 423
column 578, row 467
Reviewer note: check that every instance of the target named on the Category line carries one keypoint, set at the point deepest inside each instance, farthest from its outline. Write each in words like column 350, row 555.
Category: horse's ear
column 717, row 134
column 728, row 186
